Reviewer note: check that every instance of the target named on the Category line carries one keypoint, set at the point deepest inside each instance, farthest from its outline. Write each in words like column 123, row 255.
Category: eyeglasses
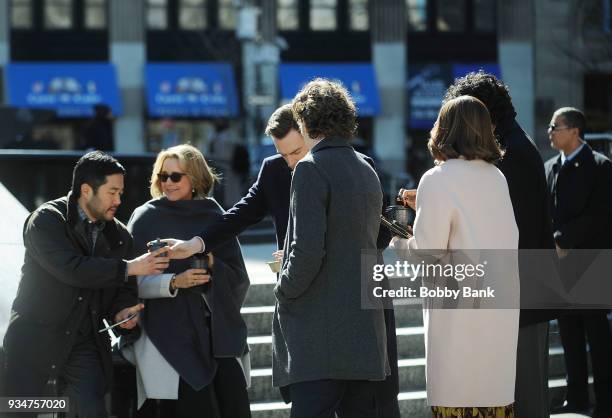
column 175, row 177
column 553, row 128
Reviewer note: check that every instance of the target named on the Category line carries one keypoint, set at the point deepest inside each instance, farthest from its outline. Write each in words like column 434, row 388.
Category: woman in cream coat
column 463, row 203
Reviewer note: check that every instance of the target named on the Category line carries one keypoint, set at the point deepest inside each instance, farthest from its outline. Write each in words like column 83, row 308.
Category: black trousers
column 81, row 379
column 324, row 398
column 225, row 397
column 596, row 327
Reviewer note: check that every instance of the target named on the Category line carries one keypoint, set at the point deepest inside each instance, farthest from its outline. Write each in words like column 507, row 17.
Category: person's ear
column 86, row 190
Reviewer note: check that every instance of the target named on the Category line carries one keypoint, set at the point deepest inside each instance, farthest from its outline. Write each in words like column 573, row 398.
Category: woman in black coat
column 193, row 338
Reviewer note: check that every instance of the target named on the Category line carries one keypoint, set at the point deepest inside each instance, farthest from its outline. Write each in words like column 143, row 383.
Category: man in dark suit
column 523, row 168
column 269, row 195
column 75, row 273
column 580, row 180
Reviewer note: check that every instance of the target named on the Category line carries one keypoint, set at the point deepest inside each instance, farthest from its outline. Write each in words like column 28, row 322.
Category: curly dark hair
column 488, row 89
column 325, row 108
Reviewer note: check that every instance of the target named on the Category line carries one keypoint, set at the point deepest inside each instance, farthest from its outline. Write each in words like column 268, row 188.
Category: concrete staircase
column 267, row 403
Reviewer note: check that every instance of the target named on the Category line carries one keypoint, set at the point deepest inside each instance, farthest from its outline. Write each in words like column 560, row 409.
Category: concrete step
column 259, row 318
column 411, row 377
column 410, row 345
column 260, row 294
column 413, row 404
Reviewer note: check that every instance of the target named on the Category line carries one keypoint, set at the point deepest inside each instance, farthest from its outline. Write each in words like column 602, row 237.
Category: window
column 227, row 14
column 192, row 14
column 287, row 15
column 323, row 14
column 358, row 15
column 58, row 14
column 451, row 16
column 21, row 14
column 485, row 16
column 157, row 14
column 416, row 11
column 95, row 14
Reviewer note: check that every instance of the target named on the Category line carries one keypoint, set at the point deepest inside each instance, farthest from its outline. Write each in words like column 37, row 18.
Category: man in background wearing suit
column 523, row 168
column 269, row 195
column 580, row 180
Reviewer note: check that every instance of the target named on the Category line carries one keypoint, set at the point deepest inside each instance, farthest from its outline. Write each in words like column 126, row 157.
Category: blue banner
column 71, row 89
column 427, row 84
column 191, row 90
column 358, row 78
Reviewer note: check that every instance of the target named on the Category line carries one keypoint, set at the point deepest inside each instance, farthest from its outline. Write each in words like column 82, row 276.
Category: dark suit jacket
column 269, row 195
column 581, row 203
column 63, row 284
column 581, row 193
column 523, row 168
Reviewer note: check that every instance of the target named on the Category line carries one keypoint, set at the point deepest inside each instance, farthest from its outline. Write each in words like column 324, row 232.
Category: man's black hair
column 92, row 168
column 488, row 89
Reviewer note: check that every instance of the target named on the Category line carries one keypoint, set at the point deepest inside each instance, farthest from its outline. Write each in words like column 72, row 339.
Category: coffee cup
column 156, row 245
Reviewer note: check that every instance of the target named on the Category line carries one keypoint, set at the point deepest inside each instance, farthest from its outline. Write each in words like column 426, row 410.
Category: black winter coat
column 63, row 284
column 524, row 170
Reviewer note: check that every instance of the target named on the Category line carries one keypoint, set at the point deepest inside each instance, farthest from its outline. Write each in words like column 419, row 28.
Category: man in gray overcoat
column 327, row 349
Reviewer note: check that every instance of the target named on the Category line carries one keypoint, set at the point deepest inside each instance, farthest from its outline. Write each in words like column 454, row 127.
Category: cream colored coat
column 471, row 353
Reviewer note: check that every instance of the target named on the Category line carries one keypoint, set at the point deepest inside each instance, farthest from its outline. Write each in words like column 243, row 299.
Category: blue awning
column 191, row 90
column 427, row 84
column 71, row 89
column 358, row 78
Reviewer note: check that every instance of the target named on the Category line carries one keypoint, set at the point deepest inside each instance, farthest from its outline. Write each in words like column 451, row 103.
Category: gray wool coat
column 319, row 329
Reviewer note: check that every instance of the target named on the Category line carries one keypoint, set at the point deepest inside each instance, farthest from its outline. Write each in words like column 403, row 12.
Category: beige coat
column 471, row 353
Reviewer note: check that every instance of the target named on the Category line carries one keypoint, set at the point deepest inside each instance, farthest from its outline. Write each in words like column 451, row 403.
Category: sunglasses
column 553, row 127
column 175, row 177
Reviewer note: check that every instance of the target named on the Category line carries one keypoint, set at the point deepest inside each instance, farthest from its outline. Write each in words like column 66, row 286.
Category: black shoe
column 571, row 408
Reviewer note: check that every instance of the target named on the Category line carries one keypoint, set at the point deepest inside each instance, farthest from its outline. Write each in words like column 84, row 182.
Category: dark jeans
column 596, row 327
column 324, row 398
column 226, row 397
column 83, row 381
column 388, row 410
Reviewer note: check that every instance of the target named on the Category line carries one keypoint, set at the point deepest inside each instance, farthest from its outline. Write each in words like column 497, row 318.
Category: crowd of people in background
column 178, row 306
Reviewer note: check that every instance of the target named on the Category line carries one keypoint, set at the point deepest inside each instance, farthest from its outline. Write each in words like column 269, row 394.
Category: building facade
column 549, row 52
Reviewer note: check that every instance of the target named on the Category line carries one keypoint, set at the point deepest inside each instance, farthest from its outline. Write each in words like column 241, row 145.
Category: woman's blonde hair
column 464, row 129
column 192, row 162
